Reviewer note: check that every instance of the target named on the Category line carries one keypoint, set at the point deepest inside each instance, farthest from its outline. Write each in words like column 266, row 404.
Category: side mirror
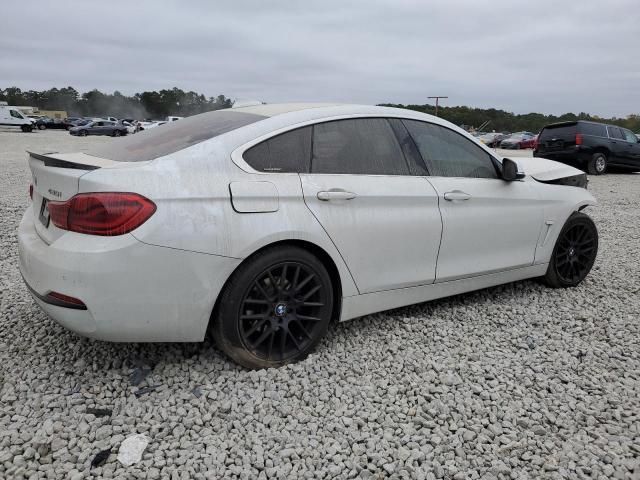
column 510, row 171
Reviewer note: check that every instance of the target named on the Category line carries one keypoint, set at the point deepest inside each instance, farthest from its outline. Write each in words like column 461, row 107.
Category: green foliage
column 143, row 105
column 502, row 121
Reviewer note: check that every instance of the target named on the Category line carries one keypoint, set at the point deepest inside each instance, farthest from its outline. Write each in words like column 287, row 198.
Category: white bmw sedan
column 260, row 225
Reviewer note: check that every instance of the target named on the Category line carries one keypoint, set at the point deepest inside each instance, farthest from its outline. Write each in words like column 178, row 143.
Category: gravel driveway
column 518, row 381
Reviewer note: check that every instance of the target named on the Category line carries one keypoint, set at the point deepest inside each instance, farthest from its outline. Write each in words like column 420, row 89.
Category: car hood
column 546, row 170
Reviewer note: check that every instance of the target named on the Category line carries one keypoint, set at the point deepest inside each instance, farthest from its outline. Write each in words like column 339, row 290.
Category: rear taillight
column 31, row 191
column 578, row 139
column 102, row 213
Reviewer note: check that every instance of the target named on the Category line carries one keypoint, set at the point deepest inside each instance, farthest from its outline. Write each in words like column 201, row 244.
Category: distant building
column 55, row 114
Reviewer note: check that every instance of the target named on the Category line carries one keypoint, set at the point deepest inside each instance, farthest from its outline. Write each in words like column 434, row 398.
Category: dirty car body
column 139, row 239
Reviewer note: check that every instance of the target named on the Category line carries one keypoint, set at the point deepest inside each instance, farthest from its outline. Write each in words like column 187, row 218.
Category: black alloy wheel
column 275, row 309
column 281, row 311
column 574, row 253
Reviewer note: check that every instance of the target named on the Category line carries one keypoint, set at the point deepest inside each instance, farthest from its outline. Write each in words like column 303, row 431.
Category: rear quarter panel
column 194, row 210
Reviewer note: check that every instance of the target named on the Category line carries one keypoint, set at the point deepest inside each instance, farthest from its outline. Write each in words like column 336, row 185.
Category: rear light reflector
column 102, row 213
column 62, row 300
column 578, row 139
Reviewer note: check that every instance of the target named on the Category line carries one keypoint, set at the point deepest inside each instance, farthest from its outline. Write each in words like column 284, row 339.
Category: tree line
column 145, row 105
column 159, row 104
column 502, row 121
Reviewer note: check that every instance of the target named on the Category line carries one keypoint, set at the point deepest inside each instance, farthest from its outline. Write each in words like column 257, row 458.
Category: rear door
column 383, row 219
column 632, row 157
column 618, row 145
column 489, row 225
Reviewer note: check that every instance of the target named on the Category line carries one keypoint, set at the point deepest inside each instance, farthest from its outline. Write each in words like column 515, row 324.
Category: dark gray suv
column 591, row 146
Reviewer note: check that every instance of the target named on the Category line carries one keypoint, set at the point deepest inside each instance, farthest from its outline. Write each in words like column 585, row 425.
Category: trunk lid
column 56, row 177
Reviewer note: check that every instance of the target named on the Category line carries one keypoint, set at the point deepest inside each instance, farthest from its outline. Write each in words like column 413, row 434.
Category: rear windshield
column 564, row 130
column 174, row 136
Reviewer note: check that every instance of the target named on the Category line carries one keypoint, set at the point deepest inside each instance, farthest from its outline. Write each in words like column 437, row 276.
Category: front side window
column 364, row 146
column 15, row 114
column 630, row 136
column 615, row 132
column 449, row 154
column 287, row 152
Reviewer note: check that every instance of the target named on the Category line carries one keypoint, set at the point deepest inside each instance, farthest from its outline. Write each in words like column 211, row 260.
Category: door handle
column 327, row 195
column 456, row 195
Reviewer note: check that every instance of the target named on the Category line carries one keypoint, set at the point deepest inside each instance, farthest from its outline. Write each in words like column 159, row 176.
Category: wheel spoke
column 304, row 282
column 309, row 318
column 304, row 330
column 255, row 327
column 295, row 340
column 270, row 349
column 260, row 340
column 311, row 292
column 263, row 291
column 273, row 281
column 312, row 304
column 257, row 301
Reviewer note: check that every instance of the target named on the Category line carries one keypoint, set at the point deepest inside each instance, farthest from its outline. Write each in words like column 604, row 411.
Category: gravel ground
column 518, row 381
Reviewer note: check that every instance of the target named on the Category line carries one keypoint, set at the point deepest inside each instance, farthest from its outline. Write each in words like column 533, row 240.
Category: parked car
column 44, row 122
column 591, row 146
column 492, row 139
column 519, row 140
column 261, row 224
column 11, row 116
column 101, row 127
column 129, row 125
column 151, row 124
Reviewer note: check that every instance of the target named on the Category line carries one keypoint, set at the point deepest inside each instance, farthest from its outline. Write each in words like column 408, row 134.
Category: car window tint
column 614, row 132
column 158, row 142
column 411, row 154
column 287, row 152
column 365, row 146
column 593, row 129
column 630, row 136
column 449, row 154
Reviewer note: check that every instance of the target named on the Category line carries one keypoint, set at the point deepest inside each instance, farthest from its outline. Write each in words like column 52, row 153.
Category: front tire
column 574, row 253
column 275, row 308
column 598, row 163
column 116, row 133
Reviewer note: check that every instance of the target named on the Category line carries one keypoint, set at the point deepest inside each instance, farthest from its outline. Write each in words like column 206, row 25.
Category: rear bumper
column 133, row 292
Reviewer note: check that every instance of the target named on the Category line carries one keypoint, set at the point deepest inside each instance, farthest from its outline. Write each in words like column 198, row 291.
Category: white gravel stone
column 518, row 381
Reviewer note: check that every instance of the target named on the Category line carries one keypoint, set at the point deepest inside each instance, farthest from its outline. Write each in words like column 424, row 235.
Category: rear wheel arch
column 317, row 251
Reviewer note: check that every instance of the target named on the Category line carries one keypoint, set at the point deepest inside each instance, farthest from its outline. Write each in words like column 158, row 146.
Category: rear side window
column 416, row 164
column 615, row 132
column 287, row 152
column 174, row 136
column 593, row 129
column 449, row 154
column 365, row 146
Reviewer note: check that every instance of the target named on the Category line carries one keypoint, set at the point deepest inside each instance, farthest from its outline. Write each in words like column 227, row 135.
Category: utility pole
column 437, row 98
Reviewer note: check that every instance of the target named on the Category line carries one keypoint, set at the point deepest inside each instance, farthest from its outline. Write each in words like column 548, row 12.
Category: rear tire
column 275, row 308
column 117, row 133
column 83, row 133
column 598, row 163
column 574, row 253
column 42, row 127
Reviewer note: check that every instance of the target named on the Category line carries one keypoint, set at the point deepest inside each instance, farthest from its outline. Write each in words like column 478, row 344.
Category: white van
column 11, row 116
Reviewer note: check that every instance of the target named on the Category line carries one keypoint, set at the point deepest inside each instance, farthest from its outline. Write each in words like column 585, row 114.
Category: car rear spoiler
column 79, row 161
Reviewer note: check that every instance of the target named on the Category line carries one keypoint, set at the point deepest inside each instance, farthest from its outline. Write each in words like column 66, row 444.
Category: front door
column 489, row 225
column 384, row 221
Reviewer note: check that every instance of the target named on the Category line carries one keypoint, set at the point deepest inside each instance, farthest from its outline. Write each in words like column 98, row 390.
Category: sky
column 549, row 56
